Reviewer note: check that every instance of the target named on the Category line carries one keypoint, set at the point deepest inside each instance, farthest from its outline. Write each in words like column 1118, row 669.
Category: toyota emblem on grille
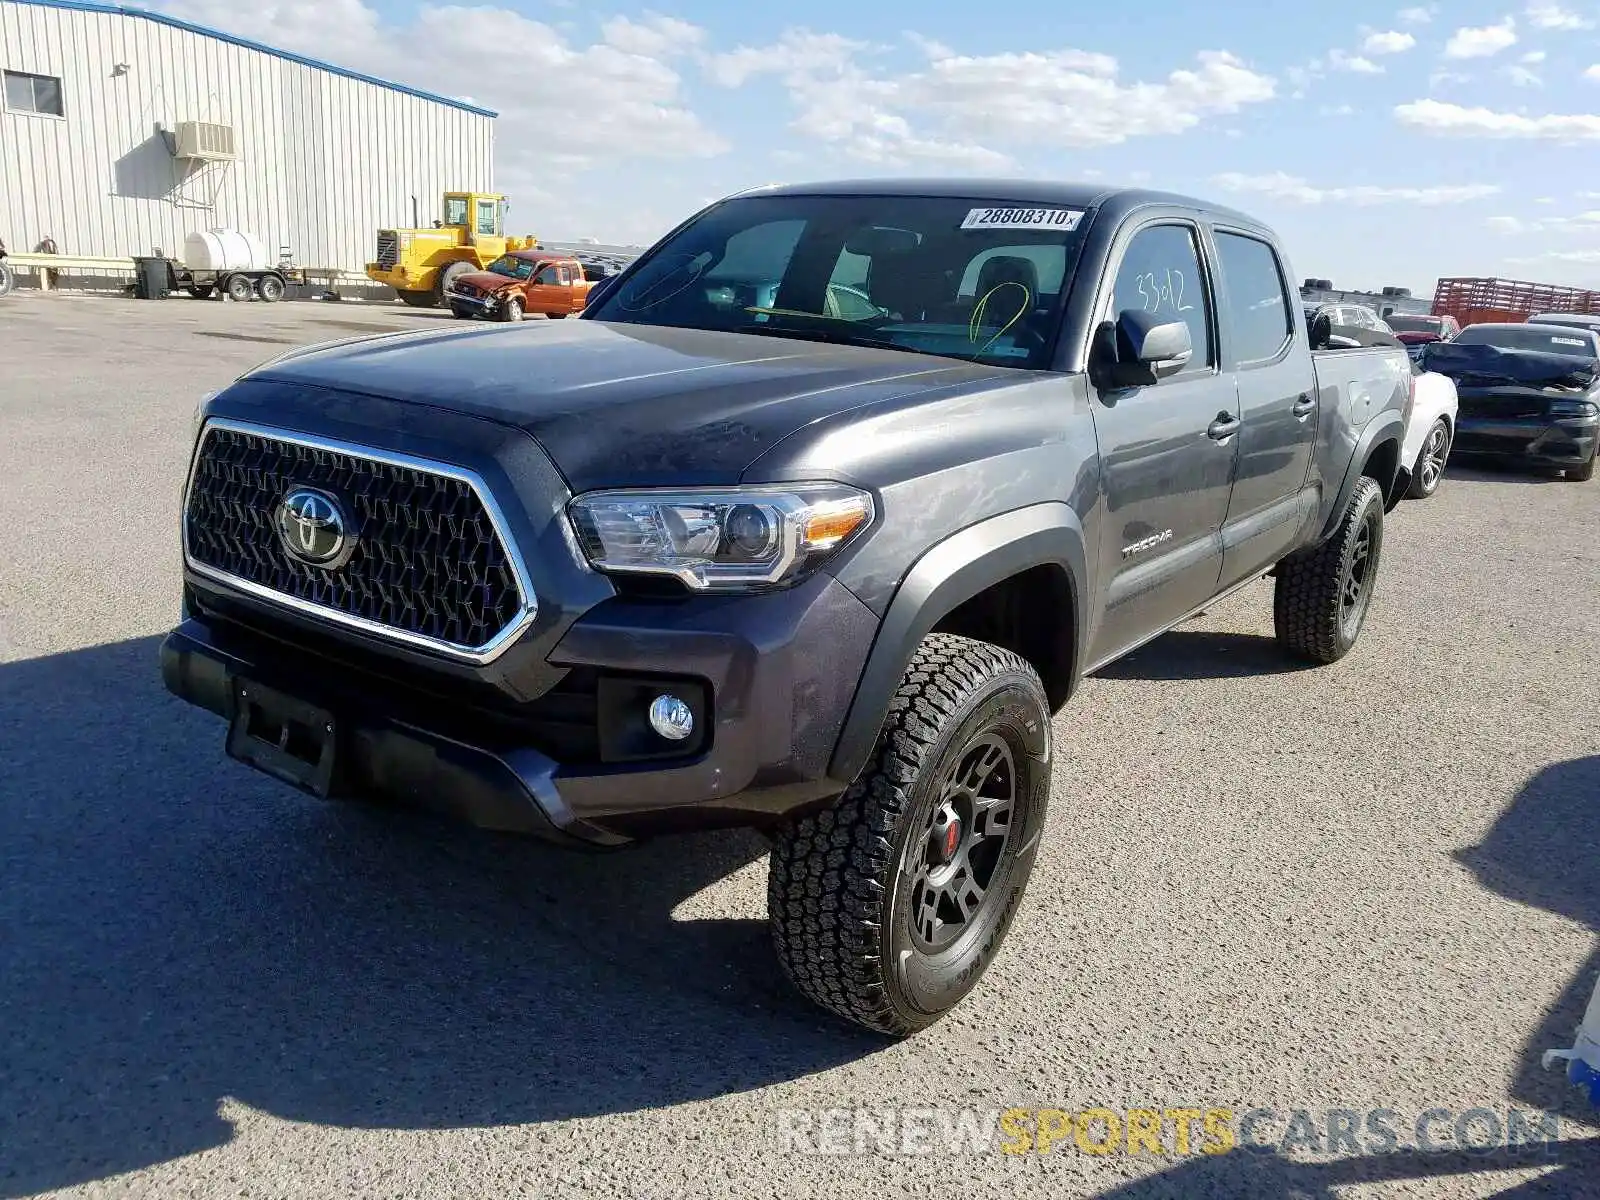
column 312, row 527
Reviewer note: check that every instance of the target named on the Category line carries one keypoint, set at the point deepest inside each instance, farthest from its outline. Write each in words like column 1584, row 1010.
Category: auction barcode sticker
column 1064, row 219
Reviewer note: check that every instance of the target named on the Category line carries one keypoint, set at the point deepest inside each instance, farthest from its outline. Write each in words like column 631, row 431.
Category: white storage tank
column 225, row 250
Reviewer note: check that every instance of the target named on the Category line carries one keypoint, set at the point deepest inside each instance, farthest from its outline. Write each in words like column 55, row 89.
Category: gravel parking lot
column 1371, row 885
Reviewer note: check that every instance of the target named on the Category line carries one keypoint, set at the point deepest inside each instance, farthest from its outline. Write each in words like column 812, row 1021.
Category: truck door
column 545, row 293
column 1167, row 451
column 1277, row 404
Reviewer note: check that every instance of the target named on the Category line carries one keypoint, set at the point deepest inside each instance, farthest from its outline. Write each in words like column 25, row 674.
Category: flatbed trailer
column 155, row 277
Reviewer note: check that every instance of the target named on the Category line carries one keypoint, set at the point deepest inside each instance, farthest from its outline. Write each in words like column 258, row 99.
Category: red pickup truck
column 518, row 283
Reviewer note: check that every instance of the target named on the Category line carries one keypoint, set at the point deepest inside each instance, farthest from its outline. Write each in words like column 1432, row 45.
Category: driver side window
column 1160, row 274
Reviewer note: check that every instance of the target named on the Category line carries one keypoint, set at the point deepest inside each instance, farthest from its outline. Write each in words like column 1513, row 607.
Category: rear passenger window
column 1160, row 273
column 1258, row 306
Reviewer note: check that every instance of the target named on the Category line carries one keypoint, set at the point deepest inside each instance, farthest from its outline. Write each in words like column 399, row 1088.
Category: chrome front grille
column 430, row 562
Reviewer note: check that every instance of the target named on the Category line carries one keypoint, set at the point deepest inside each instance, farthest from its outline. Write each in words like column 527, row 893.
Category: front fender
column 948, row 575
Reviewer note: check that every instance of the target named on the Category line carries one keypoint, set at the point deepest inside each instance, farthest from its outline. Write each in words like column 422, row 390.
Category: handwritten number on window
column 1164, row 290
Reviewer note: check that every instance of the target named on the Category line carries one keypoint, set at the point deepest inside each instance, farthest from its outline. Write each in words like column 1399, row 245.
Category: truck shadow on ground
column 1248, row 1175
column 1490, row 470
column 1201, row 654
column 181, row 931
column 1543, row 851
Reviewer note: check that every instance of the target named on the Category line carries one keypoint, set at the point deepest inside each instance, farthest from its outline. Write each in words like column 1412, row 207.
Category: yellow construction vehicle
column 420, row 263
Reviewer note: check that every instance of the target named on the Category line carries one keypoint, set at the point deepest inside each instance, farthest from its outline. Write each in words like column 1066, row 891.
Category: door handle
column 1224, row 427
column 1305, row 406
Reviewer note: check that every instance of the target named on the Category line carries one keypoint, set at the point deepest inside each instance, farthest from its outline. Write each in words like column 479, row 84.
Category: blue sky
column 1388, row 143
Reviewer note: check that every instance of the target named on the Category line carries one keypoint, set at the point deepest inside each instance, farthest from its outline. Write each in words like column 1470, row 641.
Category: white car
column 1429, row 431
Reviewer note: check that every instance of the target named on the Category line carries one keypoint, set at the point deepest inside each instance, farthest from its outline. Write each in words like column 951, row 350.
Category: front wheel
column 1430, row 461
column 1322, row 594
column 239, row 288
column 413, row 299
column 888, row 906
column 511, row 310
column 1586, row 472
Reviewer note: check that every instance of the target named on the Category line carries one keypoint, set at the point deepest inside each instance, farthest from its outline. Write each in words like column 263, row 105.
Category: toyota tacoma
column 730, row 551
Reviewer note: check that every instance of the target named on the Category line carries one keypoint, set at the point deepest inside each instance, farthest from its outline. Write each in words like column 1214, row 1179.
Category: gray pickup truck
column 811, row 523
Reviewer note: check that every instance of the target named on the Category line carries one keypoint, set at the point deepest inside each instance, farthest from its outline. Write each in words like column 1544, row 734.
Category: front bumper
column 775, row 676
column 1565, row 442
column 483, row 305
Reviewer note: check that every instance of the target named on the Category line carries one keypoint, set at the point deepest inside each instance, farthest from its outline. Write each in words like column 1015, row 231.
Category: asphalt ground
column 1374, row 885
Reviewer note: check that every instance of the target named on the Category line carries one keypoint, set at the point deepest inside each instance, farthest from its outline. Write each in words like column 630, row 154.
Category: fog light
column 671, row 718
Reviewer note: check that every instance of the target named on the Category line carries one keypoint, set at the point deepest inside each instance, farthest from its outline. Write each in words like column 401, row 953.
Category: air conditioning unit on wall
column 206, row 141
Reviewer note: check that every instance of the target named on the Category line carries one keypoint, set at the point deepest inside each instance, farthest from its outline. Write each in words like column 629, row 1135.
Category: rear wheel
column 1323, row 594
column 888, row 906
column 416, row 299
column 239, row 288
column 201, row 291
column 271, row 288
column 1430, row 461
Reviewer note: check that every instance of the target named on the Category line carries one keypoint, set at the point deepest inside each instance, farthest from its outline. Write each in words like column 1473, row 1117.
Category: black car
column 1527, row 391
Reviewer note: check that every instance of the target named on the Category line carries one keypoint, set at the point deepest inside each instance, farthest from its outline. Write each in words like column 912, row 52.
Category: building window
column 34, row 94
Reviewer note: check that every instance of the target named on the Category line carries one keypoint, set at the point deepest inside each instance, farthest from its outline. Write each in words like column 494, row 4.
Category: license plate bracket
column 288, row 738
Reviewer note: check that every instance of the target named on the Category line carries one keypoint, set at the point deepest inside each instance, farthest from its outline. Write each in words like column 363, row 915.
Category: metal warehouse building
column 122, row 131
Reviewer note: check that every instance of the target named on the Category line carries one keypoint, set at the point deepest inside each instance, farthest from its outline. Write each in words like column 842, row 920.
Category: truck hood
column 489, row 281
column 619, row 405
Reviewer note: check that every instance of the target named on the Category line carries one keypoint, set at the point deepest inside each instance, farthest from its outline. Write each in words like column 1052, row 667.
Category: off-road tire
column 441, row 285
column 414, row 299
column 239, row 288
column 1437, row 442
column 1309, row 612
column 839, row 890
column 460, row 312
column 1586, row 472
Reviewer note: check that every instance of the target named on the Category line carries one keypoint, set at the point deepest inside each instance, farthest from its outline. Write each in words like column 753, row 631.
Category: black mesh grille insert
column 427, row 559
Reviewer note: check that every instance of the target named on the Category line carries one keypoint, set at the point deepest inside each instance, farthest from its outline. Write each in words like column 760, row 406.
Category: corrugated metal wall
column 324, row 160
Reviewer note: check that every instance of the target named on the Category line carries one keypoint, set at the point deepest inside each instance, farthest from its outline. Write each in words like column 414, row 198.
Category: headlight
column 1573, row 408
column 719, row 539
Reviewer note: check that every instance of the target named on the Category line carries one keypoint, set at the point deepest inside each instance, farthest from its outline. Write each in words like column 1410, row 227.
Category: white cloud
column 1391, row 42
column 1482, row 41
column 1456, row 120
column 1282, row 186
column 1416, row 16
column 1340, row 61
column 561, row 104
column 1563, row 256
column 652, row 36
column 965, row 110
column 1553, row 16
column 1441, row 79
column 1533, row 56
column 1335, row 110
column 1583, row 222
column 1593, row 73
column 1522, row 77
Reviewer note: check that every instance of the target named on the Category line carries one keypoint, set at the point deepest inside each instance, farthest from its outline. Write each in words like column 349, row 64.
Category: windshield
column 955, row 277
column 1574, row 344
column 1402, row 324
column 511, row 267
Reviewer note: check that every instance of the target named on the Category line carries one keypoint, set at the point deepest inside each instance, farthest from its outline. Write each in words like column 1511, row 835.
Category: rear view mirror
column 878, row 240
column 1141, row 349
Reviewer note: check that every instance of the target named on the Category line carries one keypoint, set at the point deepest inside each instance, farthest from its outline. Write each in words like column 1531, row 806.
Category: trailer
column 1476, row 301
column 155, row 278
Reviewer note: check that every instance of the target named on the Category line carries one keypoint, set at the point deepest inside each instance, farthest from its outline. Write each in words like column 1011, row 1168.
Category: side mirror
column 1338, row 341
column 1141, row 349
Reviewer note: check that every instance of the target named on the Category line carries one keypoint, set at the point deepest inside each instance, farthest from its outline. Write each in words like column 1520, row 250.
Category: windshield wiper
column 837, row 337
